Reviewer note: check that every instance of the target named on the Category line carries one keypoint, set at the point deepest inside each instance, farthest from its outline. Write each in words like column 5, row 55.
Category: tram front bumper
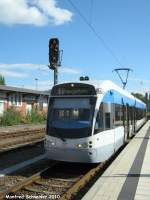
column 72, row 155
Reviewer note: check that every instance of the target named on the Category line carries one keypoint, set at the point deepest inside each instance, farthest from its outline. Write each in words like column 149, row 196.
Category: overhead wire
column 91, row 11
column 99, row 37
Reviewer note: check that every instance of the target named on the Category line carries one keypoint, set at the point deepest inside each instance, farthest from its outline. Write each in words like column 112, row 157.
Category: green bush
column 13, row 117
column 10, row 117
column 35, row 116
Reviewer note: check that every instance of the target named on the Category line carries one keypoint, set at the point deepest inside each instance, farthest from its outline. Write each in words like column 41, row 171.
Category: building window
column 15, row 100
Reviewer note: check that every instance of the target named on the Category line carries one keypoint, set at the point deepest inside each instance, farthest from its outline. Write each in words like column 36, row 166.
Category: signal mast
column 55, row 57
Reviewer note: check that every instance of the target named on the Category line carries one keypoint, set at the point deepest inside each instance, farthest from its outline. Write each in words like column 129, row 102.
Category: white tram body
column 87, row 122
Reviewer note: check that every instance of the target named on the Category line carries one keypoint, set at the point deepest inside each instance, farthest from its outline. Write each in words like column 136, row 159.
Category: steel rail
column 17, row 139
column 70, row 190
column 20, row 185
column 20, row 133
column 27, row 181
column 18, row 145
column 69, row 194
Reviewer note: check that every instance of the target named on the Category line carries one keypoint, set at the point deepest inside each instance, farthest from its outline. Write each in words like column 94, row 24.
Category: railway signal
column 55, row 57
column 53, row 52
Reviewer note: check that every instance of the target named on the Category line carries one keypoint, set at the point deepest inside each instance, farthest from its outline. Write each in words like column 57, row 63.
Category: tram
column 88, row 121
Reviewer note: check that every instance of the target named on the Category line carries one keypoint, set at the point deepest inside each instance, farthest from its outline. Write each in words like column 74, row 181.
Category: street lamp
column 36, row 83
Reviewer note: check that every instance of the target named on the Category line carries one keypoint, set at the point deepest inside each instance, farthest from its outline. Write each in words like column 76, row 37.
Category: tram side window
column 118, row 115
column 129, row 110
column 99, row 120
column 135, row 113
column 107, row 121
column 132, row 114
column 107, row 115
column 139, row 113
column 144, row 113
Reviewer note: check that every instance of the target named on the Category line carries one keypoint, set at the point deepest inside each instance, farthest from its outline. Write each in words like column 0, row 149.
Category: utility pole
column 55, row 75
column 54, row 57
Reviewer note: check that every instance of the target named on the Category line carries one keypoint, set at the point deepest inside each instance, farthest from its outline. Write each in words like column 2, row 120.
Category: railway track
column 20, row 133
column 16, row 139
column 59, row 181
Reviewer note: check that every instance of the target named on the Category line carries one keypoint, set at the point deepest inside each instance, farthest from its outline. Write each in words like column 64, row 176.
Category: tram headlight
column 82, row 145
column 53, row 143
column 50, row 143
column 79, row 145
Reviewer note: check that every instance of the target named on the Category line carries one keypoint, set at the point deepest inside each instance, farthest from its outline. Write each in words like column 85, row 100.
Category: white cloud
column 41, row 85
column 65, row 70
column 49, row 7
column 44, row 83
column 33, row 12
column 69, row 70
column 140, row 80
column 21, row 65
column 8, row 73
column 40, row 67
column 25, row 71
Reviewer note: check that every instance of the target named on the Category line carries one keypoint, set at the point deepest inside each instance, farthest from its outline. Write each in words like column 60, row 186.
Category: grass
column 13, row 117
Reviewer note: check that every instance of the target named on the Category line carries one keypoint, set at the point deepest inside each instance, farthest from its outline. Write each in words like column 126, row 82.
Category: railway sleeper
column 47, row 191
column 58, row 185
column 66, row 180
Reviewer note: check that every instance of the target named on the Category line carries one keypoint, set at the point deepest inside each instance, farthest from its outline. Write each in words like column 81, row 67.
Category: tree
column 140, row 96
column 143, row 98
column 2, row 80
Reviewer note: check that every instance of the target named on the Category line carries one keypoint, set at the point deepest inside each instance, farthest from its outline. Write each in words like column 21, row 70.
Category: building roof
column 23, row 90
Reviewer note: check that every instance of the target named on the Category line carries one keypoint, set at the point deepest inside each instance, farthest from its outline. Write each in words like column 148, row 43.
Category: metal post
column 55, row 75
column 55, row 57
column 36, row 83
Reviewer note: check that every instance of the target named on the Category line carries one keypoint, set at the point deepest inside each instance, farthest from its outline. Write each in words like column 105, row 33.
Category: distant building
column 22, row 99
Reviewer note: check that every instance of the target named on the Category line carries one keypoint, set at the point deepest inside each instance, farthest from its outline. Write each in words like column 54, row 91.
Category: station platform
column 128, row 177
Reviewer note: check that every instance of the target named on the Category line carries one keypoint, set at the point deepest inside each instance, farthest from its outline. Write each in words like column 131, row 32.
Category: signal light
column 84, row 78
column 81, row 78
column 53, row 52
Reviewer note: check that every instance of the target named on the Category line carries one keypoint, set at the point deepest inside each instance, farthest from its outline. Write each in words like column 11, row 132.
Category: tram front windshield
column 70, row 117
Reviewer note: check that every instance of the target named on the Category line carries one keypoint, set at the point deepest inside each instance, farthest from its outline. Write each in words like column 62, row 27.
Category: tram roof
column 107, row 85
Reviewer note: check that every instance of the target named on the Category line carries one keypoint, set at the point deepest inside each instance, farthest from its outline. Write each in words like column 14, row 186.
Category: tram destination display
column 73, row 89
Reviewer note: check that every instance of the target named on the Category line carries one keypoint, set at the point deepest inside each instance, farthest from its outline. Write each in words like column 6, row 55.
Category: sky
column 96, row 37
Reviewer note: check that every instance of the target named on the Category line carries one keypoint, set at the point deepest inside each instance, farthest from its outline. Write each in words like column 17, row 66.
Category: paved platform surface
column 128, row 177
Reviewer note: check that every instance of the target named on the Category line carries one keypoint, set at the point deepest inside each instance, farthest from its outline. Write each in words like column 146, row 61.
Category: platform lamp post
column 55, row 57
column 124, row 81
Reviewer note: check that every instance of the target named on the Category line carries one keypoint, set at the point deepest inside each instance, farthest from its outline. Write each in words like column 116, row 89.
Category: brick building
column 22, row 99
